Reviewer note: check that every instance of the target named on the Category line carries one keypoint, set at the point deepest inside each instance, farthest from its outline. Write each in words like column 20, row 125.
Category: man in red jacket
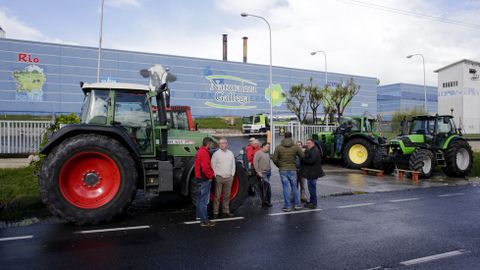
column 203, row 177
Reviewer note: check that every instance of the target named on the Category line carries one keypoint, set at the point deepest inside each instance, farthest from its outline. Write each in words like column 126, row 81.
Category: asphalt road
column 429, row 228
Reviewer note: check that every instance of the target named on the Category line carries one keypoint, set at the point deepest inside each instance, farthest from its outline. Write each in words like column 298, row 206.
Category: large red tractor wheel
column 88, row 178
column 238, row 192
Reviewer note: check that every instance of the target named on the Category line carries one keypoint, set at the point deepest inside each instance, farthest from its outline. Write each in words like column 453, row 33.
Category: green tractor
column 359, row 142
column 92, row 170
column 425, row 142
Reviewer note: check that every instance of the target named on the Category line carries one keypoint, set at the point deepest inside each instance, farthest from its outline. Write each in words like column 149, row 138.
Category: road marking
column 404, row 200
column 433, row 257
column 116, row 229
column 16, row 238
column 353, row 205
column 295, row 212
column 451, row 194
column 215, row 220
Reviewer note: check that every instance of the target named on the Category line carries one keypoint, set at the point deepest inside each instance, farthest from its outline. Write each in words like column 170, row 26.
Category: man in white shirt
column 223, row 164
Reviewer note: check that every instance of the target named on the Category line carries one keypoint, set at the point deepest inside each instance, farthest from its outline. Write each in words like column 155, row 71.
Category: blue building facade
column 43, row 78
column 402, row 96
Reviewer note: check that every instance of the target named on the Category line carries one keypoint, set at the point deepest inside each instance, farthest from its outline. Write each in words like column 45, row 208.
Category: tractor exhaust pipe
column 159, row 79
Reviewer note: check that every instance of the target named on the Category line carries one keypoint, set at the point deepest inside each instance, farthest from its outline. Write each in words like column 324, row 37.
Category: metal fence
column 299, row 132
column 21, row 137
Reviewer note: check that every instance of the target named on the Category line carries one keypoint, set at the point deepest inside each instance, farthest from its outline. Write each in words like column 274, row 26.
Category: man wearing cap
column 284, row 158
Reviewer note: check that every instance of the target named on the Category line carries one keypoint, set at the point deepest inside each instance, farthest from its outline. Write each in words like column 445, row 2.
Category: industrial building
column 459, row 93
column 396, row 97
column 43, row 78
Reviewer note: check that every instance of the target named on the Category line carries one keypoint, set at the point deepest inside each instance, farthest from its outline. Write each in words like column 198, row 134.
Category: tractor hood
column 184, row 143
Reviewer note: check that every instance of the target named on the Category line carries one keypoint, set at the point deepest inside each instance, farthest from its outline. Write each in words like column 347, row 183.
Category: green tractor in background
column 359, row 143
column 425, row 142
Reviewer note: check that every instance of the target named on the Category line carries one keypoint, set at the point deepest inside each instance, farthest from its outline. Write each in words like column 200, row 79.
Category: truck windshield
column 247, row 120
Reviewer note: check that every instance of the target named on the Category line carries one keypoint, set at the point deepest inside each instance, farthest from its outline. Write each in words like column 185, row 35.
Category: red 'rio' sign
column 27, row 58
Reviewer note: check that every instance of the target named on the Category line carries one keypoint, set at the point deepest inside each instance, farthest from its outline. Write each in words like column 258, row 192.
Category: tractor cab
column 358, row 123
column 433, row 130
column 123, row 105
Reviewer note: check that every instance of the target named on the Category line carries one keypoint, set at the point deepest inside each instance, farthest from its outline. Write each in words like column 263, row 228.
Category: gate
column 299, row 132
column 21, row 137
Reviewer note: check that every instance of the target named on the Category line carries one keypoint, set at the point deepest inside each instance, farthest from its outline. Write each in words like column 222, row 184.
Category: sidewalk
column 13, row 163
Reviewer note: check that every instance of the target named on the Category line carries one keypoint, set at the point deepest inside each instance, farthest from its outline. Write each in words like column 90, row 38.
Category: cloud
column 359, row 40
column 123, row 3
column 17, row 29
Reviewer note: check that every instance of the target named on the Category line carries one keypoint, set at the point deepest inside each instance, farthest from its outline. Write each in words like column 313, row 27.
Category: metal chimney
column 245, row 47
column 225, row 47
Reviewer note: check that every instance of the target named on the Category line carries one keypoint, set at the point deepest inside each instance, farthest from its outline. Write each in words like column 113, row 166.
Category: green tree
column 315, row 97
column 399, row 116
column 328, row 107
column 343, row 95
column 297, row 101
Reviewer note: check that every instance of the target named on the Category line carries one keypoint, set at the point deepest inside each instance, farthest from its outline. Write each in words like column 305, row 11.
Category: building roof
column 400, row 84
column 109, row 85
column 456, row 63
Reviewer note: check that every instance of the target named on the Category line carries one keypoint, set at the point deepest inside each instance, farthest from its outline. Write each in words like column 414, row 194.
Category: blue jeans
column 203, row 197
column 338, row 143
column 289, row 180
column 312, row 189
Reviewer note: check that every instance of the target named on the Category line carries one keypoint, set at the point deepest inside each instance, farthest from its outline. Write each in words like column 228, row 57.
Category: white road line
column 353, row 205
column 216, row 220
column 404, row 200
column 16, row 238
column 434, row 257
column 295, row 212
column 451, row 194
column 116, row 229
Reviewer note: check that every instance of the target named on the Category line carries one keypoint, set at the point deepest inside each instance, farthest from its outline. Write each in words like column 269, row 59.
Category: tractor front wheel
column 459, row 159
column 358, row 153
column 88, row 178
column 422, row 160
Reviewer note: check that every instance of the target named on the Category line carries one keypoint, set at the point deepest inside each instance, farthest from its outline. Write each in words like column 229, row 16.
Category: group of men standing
column 219, row 168
column 294, row 163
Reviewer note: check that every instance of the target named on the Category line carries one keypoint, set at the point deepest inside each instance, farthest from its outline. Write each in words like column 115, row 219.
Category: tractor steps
column 157, row 176
column 440, row 158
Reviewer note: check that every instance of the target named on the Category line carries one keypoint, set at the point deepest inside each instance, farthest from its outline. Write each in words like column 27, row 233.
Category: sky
column 358, row 40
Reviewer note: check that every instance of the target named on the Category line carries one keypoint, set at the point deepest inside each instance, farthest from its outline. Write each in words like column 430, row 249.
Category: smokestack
column 225, row 47
column 245, row 47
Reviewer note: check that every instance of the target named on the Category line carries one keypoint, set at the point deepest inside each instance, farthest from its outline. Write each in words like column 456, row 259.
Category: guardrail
column 21, row 137
column 299, row 132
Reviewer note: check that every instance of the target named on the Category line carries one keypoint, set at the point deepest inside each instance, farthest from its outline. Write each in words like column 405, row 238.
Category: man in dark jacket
column 203, row 177
column 284, row 158
column 312, row 170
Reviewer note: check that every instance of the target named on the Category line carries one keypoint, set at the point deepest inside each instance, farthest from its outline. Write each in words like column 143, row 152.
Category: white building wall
column 471, row 98
column 451, row 97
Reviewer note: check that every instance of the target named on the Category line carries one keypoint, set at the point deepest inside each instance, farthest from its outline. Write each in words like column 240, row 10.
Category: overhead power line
column 410, row 13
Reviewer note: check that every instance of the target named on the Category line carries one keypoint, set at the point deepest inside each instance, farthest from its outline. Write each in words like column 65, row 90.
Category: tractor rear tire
column 358, row 153
column 239, row 188
column 422, row 160
column 380, row 161
column 458, row 158
column 88, row 179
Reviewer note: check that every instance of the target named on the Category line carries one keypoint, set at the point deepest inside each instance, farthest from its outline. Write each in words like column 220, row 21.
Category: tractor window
column 356, row 124
column 422, row 126
column 179, row 120
column 95, row 107
column 257, row 120
column 133, row 114
column 444, row 127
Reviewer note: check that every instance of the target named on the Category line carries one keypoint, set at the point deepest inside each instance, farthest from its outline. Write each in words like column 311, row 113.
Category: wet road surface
column 431, row 228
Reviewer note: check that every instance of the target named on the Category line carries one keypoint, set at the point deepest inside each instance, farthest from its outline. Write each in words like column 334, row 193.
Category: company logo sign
column 231, row 92
column 30, row 80
column 459, row 92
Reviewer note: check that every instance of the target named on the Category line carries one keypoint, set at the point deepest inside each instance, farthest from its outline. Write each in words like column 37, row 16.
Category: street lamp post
column 424, row 85
column 100, row 42
column 325, row 55
column 243, row 14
